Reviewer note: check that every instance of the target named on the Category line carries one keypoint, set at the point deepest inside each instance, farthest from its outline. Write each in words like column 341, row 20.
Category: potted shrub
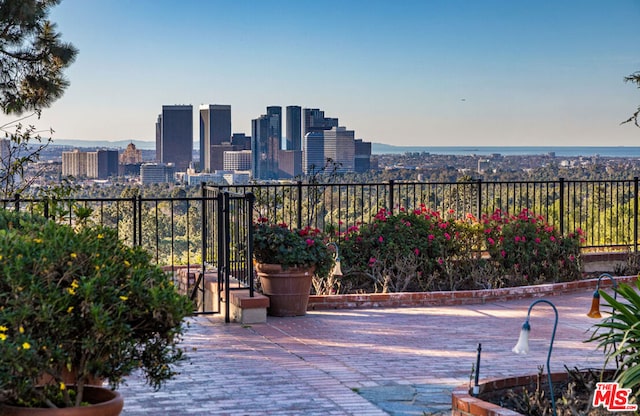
column 76, row 305
column 286, row 260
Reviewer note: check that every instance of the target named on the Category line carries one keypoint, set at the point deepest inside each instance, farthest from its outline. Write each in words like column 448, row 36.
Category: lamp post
column 522, row 347
column 594, row 312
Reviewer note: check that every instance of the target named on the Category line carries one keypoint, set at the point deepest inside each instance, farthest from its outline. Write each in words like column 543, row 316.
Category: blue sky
column 399, row 72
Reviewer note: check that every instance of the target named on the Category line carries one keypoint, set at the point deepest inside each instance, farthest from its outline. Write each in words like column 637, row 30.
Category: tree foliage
column 635, row 79
column 33, row 56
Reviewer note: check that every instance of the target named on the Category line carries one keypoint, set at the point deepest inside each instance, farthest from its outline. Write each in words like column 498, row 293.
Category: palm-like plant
column 619, row 335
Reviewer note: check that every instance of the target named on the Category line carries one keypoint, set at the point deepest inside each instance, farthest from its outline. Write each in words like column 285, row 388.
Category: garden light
column 522, row 347
column 595, row 302
column 337, row 271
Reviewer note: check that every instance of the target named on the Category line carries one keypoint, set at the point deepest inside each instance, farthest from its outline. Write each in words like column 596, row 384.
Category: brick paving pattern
column 398, row 361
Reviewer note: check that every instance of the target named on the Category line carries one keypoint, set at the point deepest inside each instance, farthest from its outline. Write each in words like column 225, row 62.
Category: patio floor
column 402, row 361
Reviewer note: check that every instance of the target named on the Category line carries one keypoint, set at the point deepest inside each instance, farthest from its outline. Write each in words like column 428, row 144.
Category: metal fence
column 172, row 229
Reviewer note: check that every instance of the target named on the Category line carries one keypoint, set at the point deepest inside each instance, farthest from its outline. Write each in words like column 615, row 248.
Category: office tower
column 362, row 162
column 340, row 147
column 159, row 138
column 241, row 140
column 294, row 126
column 237, row 160
column 289, row 163
column 275, row 123
column 313, row 120
column 215, row 129
column 217, row 154
column 264, row 147
column 102, row 164
column 313, row 152
column 177, row 135
column 157, row 173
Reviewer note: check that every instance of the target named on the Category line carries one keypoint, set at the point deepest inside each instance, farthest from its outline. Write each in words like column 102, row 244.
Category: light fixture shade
column 337, row 271
column 522, row 347
column 595, row 306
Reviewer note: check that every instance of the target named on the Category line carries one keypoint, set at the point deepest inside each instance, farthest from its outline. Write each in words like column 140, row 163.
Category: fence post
column 635, row 214
column 249, row 265
column 226, row 261
column 134, row 209
column 203, row 213
column 561, row 206
column 16, row 199
column 299, row 185
column 479, row 201
column 391, row 196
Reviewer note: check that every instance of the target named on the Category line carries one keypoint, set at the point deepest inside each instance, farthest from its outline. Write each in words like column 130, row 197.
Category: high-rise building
column 74, row 163
column 237, row 160
column 294, row 126
column 159, row 138
column 264, row 147
column 339, row 146
column 313, row 119
column 362, row 162
column 289, row 163
column 241, row 140
column 215, row 129
column 275, row 123
column 102, row 164
column 313, row 152
column 176, row 143
column 217, row 155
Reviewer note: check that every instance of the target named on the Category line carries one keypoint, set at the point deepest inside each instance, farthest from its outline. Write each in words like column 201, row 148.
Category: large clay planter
column 288, row 289
column 104, row 402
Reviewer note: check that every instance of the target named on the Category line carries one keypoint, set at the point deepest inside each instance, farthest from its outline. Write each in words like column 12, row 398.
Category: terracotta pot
column 288, row 289
column 103, row 402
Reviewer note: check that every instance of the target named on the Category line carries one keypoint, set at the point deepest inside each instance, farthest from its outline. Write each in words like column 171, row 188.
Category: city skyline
column 412, row 73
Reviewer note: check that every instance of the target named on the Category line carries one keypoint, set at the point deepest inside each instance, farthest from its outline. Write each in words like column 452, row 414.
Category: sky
column 414, row 73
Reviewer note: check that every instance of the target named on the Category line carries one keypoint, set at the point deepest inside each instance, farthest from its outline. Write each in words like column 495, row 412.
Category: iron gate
column 227, row 248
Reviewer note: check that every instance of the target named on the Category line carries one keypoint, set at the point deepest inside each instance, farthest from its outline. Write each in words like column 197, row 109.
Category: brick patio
column 328, row 361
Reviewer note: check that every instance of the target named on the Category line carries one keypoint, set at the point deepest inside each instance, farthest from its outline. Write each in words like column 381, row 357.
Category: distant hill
column 118, row 144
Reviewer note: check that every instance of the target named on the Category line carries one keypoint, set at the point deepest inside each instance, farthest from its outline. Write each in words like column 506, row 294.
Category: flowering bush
column 279, row 244
column 422, row 250
column 409, row 251
column 526, row 247
column 80, row 302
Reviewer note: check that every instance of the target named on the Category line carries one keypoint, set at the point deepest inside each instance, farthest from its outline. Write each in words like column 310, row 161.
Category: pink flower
column 431, row 237
column 572, row 257
column 372, row 261
column 517, row 238
column 503, row 253
column 440, row 261
column 416, row 251
column 552, row 238
column 491, row 241
column 310, row 242
column 523, row 238
column 537, row 240
column 380, row 239
column 447, row 236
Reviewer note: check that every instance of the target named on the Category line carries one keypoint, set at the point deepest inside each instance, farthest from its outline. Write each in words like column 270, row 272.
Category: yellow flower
column 0, row 256
column 3, row 337
column 100, row 236
column 62, row 386
column 3, row 328
column 26, row 345
column 123, row 298
column 96, row 267
column 21, row 329
column 37, row 240
column 74, row 284
column 71, row 291
column 73, row 255
column 70, row 309
column 126, row 263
